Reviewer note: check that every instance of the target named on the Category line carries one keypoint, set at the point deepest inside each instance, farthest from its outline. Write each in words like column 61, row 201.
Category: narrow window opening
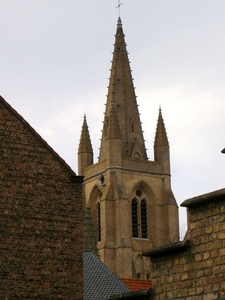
column 134, row 207
column 99, row 221
column 143, row 219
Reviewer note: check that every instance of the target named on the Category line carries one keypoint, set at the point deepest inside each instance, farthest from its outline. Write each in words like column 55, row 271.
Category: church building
column 129, row 197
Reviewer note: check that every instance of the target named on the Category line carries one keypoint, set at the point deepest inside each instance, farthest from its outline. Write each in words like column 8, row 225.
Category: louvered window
column 139, row 216
column 143, row 219
column 99, row 221
column 134, row 207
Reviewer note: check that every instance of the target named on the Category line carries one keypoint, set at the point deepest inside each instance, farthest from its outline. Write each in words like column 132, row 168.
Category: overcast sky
column 54, row 67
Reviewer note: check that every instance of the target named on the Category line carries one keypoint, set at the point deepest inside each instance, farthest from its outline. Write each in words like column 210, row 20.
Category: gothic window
column 99, row 221
column 139, row 216
column 134, row 207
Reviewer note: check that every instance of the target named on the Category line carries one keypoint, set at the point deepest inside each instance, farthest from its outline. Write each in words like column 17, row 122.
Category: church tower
column 128, row 196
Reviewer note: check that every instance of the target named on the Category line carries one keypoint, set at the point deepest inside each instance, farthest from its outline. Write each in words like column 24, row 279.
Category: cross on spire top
column 118, row 6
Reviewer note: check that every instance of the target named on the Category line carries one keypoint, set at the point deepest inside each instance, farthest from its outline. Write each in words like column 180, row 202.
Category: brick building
column 41, row 216
column 195, row 267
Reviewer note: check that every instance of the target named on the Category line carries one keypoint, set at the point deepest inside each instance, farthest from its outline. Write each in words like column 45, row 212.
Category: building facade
column 130, row 197
column 41, row 216
column 195, row 267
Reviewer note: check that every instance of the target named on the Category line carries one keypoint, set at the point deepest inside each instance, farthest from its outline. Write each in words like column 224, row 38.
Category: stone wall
column 41, row 228
column 195, row 268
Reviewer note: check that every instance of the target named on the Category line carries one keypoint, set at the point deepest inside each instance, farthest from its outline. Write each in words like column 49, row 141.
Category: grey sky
column 55, row 60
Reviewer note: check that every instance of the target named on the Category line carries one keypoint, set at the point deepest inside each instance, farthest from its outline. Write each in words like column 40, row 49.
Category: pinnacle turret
column 85, row 141
column 161, row 145
column 85, row 152
column 161, row 136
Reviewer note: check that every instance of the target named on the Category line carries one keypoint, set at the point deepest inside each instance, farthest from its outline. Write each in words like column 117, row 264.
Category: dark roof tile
column 99, row 281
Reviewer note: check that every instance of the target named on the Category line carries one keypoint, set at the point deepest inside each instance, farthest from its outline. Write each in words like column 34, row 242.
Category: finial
column 118, row 6
column 160, row 109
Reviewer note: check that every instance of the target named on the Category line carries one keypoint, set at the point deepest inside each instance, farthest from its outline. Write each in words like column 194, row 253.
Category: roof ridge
column 37, row 135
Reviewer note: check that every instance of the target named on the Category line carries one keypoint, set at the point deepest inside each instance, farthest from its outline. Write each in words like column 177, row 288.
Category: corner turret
column 85, row 152
column 161, row 145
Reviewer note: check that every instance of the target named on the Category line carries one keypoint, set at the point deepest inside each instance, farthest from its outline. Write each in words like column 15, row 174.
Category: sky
column 55, row 57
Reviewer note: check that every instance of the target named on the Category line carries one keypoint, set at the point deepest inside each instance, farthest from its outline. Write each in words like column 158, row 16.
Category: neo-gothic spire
column 161, row 136
column 121, row 93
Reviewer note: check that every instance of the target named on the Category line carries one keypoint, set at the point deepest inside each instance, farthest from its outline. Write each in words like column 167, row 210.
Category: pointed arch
column 146, row 189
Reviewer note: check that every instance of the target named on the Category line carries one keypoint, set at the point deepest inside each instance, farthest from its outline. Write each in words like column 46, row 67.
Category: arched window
column 99, row 221
column 143, row 219
column 134, row 207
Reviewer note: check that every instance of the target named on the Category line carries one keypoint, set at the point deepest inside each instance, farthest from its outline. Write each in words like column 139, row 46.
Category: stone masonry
column 41, row 228
column 195, row 268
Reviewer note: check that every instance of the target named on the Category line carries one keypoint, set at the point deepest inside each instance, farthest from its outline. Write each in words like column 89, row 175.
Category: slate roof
column 99, row 281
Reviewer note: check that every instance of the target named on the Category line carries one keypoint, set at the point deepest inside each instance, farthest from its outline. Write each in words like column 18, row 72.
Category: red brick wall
column 197, row 273
column 41, row 225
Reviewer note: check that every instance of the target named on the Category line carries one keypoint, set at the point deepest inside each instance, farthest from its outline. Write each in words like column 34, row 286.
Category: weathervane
column 118, row 6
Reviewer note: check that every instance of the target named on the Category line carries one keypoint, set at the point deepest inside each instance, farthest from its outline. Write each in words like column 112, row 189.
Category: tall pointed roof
column 161, row 136
column 85, row 141
column 121, row 93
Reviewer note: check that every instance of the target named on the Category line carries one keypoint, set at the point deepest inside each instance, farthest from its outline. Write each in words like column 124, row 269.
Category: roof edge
column 204, row 199
column 133, row 295
column 168, row 249
column 34, row 132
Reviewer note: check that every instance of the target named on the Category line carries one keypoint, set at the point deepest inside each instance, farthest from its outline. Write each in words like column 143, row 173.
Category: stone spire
column 161, row 136
column 121, row 93
column 85, row 152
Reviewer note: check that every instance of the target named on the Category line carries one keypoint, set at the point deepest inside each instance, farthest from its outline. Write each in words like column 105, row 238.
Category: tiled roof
column 137, row 284
column 99, row 281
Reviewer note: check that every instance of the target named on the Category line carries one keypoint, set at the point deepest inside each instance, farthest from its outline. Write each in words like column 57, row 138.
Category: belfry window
column 143, row 219
column 134, row 207
column 99, row 221
column 139, row 216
